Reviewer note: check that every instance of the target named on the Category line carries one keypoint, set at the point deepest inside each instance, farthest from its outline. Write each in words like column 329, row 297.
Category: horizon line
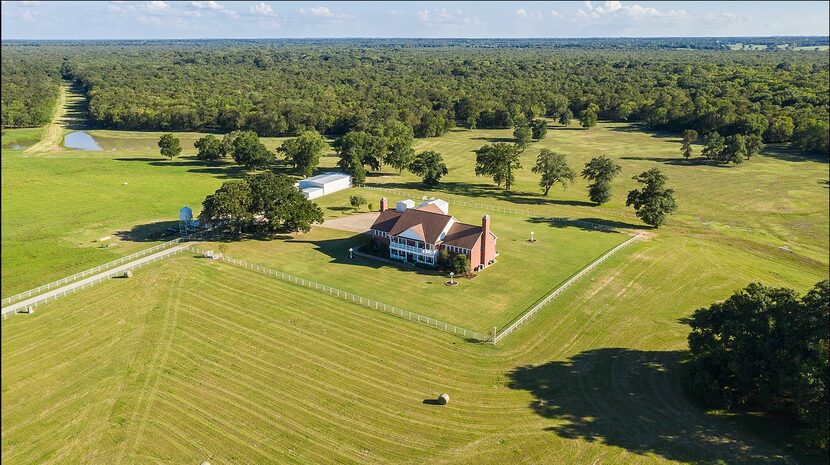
column 433, row 38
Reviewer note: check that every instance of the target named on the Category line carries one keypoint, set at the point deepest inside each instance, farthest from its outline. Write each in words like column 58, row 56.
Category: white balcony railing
column 418, row 250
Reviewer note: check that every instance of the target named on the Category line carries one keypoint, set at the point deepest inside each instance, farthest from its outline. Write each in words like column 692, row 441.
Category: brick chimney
column 384, row 204
column 485, row 238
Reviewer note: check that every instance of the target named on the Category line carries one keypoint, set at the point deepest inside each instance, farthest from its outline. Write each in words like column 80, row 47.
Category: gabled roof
column 463, row 235
column 432, row 223
column 431, row 208
column 414, row 232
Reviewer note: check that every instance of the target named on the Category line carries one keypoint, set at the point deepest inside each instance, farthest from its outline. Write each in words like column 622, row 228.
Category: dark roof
column 463, row 235
column 430, row 224
column 394, row 222
column 386, row 220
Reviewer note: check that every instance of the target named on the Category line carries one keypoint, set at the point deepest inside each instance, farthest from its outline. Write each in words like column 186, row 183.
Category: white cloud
column 157, row 5
column 29, row 3
column 555, row 14
column 262, row 9
column 442, row 16
column 207, row 5
column 27, row 15
column 325, row 14
column 615, row 11
column 317, row 11
column 524, row 14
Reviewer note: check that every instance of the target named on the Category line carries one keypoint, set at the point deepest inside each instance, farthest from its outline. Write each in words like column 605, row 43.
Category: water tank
column 185, row 214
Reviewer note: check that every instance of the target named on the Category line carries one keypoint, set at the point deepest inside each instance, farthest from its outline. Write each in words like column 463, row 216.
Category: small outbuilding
column 404, row 205
column 324, row 184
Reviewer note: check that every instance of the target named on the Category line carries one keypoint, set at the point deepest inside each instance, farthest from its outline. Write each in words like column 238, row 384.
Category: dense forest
column 29, row 85
column 286, row 87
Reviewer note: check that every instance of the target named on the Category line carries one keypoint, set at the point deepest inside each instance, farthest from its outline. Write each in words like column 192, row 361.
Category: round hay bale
column 205, row 463
column 128, row 274
column 443, row 399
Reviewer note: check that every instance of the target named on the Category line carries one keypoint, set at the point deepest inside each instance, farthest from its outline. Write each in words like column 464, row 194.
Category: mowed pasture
column 195, row 360
column 525, row 272
column 776, row 204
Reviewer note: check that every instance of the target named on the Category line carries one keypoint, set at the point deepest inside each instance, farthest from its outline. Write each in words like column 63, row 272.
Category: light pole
column 451, row 276
column 351, row 255
column 532, row 237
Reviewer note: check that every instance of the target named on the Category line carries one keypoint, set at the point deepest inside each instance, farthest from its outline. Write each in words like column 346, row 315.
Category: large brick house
column 416, row 235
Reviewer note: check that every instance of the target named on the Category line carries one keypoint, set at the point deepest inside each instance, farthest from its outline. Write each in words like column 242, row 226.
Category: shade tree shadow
column 633, row 399
column 151, row 232
column 483, row 190
column 668, row 136
column 338, row 252
column 495, row 139
column 76, row 116
column 787, row 152
column 220, row 170
column 566, row 128
column 586, row 224
column 697, row 161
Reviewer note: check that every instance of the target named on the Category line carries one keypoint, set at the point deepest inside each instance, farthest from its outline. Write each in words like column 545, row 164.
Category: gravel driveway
column 359, row 222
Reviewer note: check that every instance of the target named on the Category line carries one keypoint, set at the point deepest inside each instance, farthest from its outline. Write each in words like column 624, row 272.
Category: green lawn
column 55, row 208
column 745, row 205
column 524, row 272
column 20, row 139
column 195, row 360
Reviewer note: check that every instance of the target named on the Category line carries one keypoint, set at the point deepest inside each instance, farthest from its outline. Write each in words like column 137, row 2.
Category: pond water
column 80, row 140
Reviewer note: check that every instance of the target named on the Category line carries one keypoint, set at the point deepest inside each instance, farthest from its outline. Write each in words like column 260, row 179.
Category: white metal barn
column 324, row 184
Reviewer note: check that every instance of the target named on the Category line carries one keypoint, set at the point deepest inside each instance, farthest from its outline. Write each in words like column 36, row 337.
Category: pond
column 80, row 140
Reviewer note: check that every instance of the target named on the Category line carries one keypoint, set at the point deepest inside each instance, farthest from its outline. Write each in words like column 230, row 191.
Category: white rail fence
column 366, row 302
column 89, row 272
column 513, row 211
column 69, row 289
column 533, row 310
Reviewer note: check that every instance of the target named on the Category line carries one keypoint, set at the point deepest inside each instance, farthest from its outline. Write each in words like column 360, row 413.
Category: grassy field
column 524, row 273
column 194, row 360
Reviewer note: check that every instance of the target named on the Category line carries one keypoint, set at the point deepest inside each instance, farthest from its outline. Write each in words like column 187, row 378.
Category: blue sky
column 259, row 19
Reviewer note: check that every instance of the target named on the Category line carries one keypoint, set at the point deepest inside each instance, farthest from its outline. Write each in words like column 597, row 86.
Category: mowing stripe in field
column 350, row 296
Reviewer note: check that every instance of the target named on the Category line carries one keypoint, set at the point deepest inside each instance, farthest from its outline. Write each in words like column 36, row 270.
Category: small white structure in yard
column 404, row 205
column 441, row 204
column 324, row 184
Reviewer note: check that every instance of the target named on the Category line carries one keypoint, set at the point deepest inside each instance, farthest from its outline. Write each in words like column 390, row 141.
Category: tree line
column 29, row 86
column 338, row 86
